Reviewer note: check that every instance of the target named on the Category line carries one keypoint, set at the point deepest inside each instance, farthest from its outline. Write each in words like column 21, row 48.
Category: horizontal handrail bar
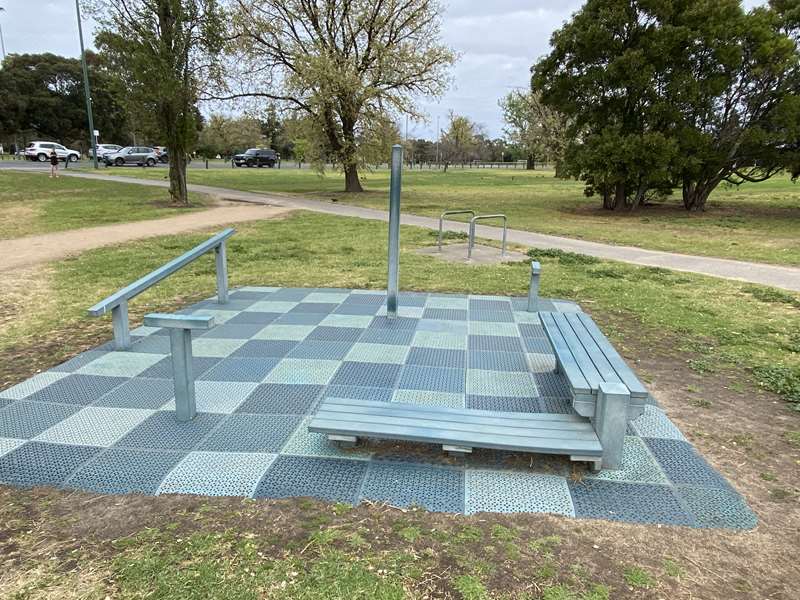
column 471, row 241
column 450, row 212
column 141, row 284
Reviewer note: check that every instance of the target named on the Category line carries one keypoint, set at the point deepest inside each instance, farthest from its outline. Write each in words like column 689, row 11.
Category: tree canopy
column 535, row 128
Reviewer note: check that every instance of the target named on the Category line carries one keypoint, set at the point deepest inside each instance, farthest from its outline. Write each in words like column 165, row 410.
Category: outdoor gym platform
column 105, row 421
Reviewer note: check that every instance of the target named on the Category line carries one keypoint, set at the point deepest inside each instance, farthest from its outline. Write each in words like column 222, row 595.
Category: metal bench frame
column 441, row 222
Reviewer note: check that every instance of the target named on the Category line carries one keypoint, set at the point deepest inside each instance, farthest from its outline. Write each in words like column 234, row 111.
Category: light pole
column 86, row 86
column 2, row 41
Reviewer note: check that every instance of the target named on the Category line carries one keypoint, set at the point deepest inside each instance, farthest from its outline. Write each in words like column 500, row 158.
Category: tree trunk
column 530, row 162
column 351, row 181
column 177, row 178
column 619, row 196
column 695, row 194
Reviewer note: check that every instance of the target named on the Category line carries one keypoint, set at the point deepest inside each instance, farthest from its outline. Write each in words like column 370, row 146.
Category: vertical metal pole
column 222, row 273
column 611, row 421
column 394, row 231
column 505, row 232
column 86, row 86
column 471, row 238
column 533, row 288
column 119, row 321
column 181, row 347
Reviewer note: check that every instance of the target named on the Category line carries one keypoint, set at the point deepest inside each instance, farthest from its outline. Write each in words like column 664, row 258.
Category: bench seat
column 587, row 359
column 457, row 430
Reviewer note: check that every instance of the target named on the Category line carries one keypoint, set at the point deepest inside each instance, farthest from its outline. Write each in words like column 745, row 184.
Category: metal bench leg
column 343, row 441
column 611, row 421
column 533, row 289
column 119, row 321
column 181, row 346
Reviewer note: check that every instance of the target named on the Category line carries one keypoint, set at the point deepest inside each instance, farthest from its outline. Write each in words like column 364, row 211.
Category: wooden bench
column 458, row 430
column 587, row 359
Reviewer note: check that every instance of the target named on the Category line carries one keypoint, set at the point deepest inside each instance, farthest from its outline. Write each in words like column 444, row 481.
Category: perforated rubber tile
column 272, row 305
column 163, row 431
column 314, row 307
column 77, row 389
column 305, row 443
column 366, row 310
column 354, row 392
column 329, row 297
column 383, row 375
column 291, row 294
column 653, row 423
column 417, row 300
column 232, row 331
column 491, row 316
column 233, row 304
column 532, row 330
column 404, row 323
column 163, row 368
column 435, row 379
column 139, row 393
column 683, row 465
column 452, row 327
column 125, row 471
column 438, row 339
column 276, row 398
column 32, row 385
column 376, row 300
column 498, row 361
column 504, row 404
column 240, row 369
column 521, row 314
column 717, row 507
column 437, row 357
column 536, row 345
column 338, row 320
column 300, row 319
column 331, row 479
column 317, row 349
column 493, row 328
column 244, row 294
column 511, row 492
column 24, row 419
column 445, row 314
column 500, row 383
column 217, row 474
column 494, row 305
column 280, row 331
column 251, row 433
column 76, row 362
column 94, row 426
column 120, row 364
column 265, row 349
column 303, row 371
column 447, row 302
column 215, row 347
column 261, row 289
column 154, row 344
column 638, row 465
column 222, row 397
column 553, row 385
column 9, row 444
column 5, row 402
column 399, row 337
column 336, row 334
column 558, row 406
column 439, row 489
column 37, row 463
column 253, row 318
column 378, row 353
column 494, row 343
column 428, row 398
column 541, row 363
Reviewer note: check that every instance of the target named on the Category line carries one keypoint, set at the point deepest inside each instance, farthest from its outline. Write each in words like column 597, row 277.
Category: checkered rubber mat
column 104, row 420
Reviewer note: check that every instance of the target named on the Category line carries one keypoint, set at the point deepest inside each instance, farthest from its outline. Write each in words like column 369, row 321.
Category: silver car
column 104, row 149
column 132, row 155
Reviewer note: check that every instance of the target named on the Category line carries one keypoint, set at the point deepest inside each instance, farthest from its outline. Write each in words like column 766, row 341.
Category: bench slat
column 595, row 352
column 565, row 358
column 582, row 358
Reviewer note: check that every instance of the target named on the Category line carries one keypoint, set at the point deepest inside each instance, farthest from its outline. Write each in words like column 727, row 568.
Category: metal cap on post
column 394, row 231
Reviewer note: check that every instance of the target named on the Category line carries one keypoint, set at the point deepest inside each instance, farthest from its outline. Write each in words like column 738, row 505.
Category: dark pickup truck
column 256, row 157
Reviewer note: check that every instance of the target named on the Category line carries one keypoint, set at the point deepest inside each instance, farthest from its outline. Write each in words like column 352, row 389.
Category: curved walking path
column 787, row 278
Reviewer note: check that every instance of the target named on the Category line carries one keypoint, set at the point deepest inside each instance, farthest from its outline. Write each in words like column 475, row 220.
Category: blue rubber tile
column 437, row 357
column 221, row 397
column 541, row 363
column 6, row 402
column 280, row 398
column 24, row 419
column 265, row 349
column 290, row 294
column 628, row 502
column 163, row 431
column 30, row 386
column 306, row 443
column 402, row 323
column 327, row 296
column 153, row 344
column 77, row 389
column 498, row 361
column 638, row 465
column 335, row 334
column 439, row 489
column 489, row 305
column 9, row 445
column 559, row 406
column 504, row 404
column 500, row 383
column 231, row 305
column 494, row 343
column 232, row 331
column 486, row 459
column 381, row 375
column 491, row 316
column 253, row 318
column 139, row 393
column 435, row 379
column 532, row 330
column 717, row 508
column 241, row 369
column 514, row 492
column 552, row 385
column 537, row 345
column 121, row 364
column 353, row 392
column 81, row 360
column 336, row 480
column 440, row 339
column 242, row 294
column 428, row 398
column 315, row 307
column 415, row 299
column 217, row 474
column 251, row 433
column 300, row 319
column 379, row 353
column 445, row 314
column 94, row 426
column 375, row 300
column 125, row 471
column 357, row 309
column 37, row 463
column 317, row 349
column 303, row 371
column 654, row 423
column 398, row 337
column 447, row 302
column 452, row 327
column 163, row 368
column 546, row 306
column 683, row 465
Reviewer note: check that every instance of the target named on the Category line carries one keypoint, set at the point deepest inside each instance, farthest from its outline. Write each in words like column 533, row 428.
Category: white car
column 41, row 151
column 103, row 149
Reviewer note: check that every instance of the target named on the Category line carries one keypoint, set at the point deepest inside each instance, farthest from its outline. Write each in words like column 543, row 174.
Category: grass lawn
column 32, row 203
column 757, row 222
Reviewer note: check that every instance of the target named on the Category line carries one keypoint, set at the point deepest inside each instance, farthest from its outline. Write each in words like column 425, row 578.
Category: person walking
column 53, row 164
column 2, row 152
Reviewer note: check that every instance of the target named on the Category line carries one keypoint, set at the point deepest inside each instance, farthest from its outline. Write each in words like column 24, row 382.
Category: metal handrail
column 471, row 242
column 441, row 221
column 117, row 302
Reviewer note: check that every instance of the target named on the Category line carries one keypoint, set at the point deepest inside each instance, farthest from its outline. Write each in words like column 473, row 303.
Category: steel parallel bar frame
column 394, row 231
column 441, row 221
column 471, row 241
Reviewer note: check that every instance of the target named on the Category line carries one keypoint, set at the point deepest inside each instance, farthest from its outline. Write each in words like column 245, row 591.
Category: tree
column 537, row 129
column 227, row 136
column 343, row 64
column 459, row 140
column 164, row 51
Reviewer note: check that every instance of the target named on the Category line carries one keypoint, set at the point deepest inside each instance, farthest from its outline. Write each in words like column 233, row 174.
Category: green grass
column 32, row 203
column 757, row 222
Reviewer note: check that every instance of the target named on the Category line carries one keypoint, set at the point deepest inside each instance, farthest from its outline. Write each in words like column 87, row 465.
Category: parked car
column 256, row 157
column 41, row 151
column 132, row 155
column 104, row 149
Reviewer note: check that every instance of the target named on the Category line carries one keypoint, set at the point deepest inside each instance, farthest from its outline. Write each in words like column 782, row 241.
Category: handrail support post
column 471, row 241
column 533, row 288
column 180, row 341
column 221, row 257
column 119, row 321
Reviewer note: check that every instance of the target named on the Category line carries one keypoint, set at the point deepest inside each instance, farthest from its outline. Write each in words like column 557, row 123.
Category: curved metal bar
column 441, row 221
column 471, row 242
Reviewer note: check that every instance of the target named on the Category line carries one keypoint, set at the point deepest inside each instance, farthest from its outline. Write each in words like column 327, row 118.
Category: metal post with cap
column 394, row 231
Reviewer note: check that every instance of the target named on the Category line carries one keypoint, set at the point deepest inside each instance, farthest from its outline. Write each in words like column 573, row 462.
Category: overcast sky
column 497, row 40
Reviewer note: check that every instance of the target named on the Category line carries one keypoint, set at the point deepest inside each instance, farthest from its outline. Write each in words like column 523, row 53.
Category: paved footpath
column 787, row 278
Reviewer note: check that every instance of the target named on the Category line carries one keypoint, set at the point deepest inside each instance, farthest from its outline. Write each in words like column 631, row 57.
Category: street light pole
column 86, row 86
column 2, row 41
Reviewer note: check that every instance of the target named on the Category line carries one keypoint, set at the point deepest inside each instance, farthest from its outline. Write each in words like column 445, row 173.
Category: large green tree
column 164, row 51
column 344, row 65
column 534, row 127
column 459, row 141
